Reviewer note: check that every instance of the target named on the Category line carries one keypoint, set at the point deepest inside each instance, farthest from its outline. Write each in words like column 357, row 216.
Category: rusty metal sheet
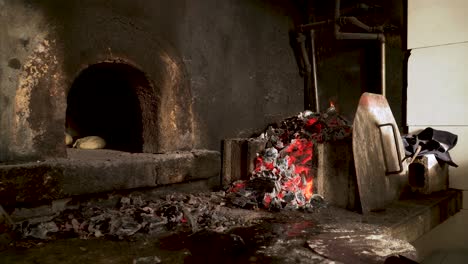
column 378, row 151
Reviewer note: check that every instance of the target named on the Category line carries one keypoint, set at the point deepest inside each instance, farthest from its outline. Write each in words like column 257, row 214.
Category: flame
column 309, row 190
column 300, row 154
column 292, row 185
column 302, row 150
column 288, row 164
column 296, row 178
column 333, row 106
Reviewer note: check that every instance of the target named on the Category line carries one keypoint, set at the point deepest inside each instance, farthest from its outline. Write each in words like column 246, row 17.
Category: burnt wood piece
column 239, row 158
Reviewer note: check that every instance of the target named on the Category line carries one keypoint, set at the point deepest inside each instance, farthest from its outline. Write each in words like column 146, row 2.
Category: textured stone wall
column 31, row 76
column 218, row 68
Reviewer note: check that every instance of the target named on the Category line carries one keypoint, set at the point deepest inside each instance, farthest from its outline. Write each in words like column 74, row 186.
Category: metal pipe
column 313, row 25
column 363, row 36
column 383, row 68
column 358, row 23
column 359, row 36
column 337, row 16
column 301, row 39
column 314, row 71
column 307, row 93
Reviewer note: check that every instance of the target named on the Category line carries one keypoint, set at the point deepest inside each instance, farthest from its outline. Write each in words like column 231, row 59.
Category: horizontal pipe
column 360, row 36
column 358, row 23
column 313, row 25
column 355, row 21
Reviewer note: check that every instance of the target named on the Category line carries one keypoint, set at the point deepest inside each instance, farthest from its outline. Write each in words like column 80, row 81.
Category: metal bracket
column 400, row 164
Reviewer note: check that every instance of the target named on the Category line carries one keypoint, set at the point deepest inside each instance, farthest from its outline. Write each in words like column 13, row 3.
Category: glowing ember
column 283, row 176
column 309, row 189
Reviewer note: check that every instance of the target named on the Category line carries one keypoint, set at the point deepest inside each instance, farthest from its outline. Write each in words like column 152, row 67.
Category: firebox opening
column 103, row 101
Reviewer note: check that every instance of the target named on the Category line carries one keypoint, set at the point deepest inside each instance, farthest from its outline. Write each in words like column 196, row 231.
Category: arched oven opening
column 103, row 101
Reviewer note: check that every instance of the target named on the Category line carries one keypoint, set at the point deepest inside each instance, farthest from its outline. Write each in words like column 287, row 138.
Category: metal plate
column 375, row 153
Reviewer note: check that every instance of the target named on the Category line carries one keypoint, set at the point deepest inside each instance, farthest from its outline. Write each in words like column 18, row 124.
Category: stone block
column 426, row 175
column 96, row 171
column 239, row 158
column 6, row 227
column 336, row 176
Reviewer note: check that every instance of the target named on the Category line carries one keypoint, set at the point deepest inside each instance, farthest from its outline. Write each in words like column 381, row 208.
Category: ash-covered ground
column 196, row 227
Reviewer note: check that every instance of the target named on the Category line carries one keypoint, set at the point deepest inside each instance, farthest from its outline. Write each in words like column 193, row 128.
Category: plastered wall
column 438, row 96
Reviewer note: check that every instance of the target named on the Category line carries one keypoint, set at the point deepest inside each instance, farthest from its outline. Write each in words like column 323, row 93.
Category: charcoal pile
column 283, row 174
column 132, row 215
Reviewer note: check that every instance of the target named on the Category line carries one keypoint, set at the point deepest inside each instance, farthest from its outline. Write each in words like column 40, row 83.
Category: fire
column 285, row 167
column 333, row 108
column 309, row 190
column 300, row 149
column 300, row 153
column 291, row 167
column 236, row 186
column 311, row 121
column 261, row 165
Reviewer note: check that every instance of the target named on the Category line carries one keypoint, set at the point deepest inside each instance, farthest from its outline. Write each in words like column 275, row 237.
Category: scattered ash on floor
column 134, row 214
column 194, row 228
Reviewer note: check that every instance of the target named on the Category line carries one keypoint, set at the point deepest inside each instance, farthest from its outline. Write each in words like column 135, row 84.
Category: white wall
column 438, row 85
column 438, row 97
column 436, row 22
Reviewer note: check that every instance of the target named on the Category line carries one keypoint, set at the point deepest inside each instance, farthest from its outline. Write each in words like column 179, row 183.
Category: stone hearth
column 97, row 171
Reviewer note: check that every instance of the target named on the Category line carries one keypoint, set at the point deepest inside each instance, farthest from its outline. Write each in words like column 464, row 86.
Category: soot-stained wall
column 214, row 69
column 217, row 68
column 347, row 68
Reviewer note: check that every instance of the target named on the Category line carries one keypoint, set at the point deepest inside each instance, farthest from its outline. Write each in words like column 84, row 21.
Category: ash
column 134, row 214
column 283, row 177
